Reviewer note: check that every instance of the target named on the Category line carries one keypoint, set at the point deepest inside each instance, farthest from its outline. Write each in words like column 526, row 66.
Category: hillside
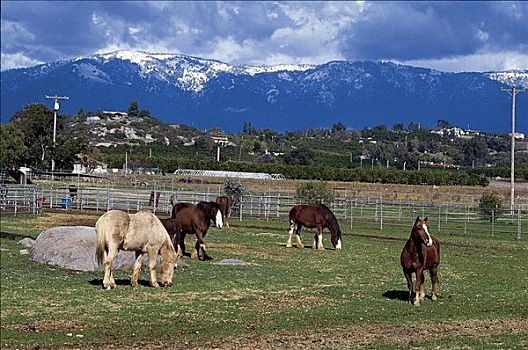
column 205, row 93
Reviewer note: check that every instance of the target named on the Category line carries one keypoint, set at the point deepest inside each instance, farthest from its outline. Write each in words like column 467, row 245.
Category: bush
column 314, row 192
column 490, row 206
column 234, row 189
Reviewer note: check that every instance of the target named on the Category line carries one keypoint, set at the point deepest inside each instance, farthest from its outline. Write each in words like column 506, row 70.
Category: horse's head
column 168, row 260
column 420, row 232
column 336, row 240
column 217, row 215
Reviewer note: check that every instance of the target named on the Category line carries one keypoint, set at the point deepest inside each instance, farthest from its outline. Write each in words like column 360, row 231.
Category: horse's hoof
column 207, row 257
column 107, row 287
column 434, row 297
column 134, row 284
column 288, row 246
column 416, row 302
column 155, row 285
column 320, row 248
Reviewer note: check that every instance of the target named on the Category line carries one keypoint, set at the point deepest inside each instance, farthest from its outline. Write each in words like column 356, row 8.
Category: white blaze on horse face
column 338, row 245
column 429, row 241
column 219, row 222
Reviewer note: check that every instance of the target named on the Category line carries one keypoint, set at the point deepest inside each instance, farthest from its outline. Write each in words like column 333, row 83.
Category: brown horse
column 196, row 219
column 141, row 232
column 314, row 216
column 225, row 204
column 421, row 252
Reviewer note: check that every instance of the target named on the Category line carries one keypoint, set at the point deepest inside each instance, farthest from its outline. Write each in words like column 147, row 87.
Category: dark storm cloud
column 265, row 32
column 418, row 30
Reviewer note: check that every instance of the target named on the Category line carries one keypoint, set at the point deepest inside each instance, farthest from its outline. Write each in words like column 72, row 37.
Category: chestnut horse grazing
column 314, row 216
column 141, row 232
column 196, row 219
column 421, row 252
column 225, row 205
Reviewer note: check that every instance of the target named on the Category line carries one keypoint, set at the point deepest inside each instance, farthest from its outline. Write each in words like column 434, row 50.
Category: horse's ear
column 425, row 219
column 416, row 221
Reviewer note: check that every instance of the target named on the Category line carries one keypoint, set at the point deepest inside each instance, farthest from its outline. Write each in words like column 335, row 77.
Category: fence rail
column 353, row 214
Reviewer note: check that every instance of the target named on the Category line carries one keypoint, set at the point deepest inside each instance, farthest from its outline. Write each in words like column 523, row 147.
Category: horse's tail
column 100, row 240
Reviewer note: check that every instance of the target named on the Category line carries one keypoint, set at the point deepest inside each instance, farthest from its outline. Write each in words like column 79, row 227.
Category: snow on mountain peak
column 513, row 78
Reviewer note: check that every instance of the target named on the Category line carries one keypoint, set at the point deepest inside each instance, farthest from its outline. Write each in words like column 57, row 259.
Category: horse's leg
column 137, row 269
column 419, row 285
column 319, row 237
column 422, row 288
column 153, row 256
column 408, row 277
column 108, row 281
column 434, row 281
column 182, row 243
column 299, row 243
column 290, row 233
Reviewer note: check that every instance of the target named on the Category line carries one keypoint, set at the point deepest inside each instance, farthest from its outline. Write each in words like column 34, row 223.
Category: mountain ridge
column 207, row 93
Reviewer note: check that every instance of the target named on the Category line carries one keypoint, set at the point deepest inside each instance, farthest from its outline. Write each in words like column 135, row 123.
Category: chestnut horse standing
column 421, row 252
column 196, row 219
column 141, row 232
column 225, row 204
column 314, row 216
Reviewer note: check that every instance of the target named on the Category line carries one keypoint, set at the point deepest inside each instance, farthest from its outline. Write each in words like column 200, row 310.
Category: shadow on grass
column 119, row 282
column 402, row 295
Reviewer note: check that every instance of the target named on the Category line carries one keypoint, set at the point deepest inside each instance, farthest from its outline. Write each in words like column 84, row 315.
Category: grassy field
column 286, row 298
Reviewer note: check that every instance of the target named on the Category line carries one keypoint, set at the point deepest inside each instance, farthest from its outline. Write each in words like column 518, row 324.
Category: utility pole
column 513, row 91
column 56, row 107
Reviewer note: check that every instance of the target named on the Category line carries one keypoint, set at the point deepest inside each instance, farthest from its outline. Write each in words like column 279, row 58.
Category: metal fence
column 354, row 215
column 20, row 199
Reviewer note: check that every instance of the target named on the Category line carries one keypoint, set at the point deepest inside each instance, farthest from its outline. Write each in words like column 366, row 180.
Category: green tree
column 314, row 192
column 13, row 151
column 133, row 110
column 490, row 206
column 300, row 156
column 35, row 122
column 234, row 189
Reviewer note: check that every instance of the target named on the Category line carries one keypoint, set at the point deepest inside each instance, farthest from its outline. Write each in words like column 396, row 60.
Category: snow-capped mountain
column 208, row 93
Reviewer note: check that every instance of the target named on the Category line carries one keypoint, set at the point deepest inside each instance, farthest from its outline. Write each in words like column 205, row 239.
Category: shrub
column 314, row 192
column 490, row 206
column 234, row 189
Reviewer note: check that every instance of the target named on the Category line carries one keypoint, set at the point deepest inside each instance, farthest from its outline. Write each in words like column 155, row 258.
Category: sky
column 447, row 36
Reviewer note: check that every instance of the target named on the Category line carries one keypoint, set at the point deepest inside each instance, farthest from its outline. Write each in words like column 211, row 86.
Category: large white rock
column 73, row 247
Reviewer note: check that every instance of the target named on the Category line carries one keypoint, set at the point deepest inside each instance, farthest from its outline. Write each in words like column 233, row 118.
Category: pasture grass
column 287, row 298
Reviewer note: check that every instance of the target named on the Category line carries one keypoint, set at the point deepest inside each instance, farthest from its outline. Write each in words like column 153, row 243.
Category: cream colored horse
column 141, row 232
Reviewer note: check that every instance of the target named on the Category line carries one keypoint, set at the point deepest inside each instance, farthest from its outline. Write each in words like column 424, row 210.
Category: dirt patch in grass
column 351, row 337
column 50, row 325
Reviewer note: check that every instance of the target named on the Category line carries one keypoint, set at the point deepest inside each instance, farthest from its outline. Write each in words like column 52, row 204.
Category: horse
column 310, row 216
column 225, row 204
column 196, row 219
column 141, row 232
column 421, row 252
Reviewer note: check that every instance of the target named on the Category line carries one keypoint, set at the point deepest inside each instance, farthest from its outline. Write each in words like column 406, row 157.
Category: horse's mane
column 330, row 218
column 206, row 206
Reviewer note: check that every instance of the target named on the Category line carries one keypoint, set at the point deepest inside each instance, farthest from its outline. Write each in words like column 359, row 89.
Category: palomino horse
column 421, row 252
column 141, row 232
column 225, row 204
column 196, row 219
column 310, row 216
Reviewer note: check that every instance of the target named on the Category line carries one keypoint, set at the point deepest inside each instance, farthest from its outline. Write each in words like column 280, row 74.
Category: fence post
column 16, row 201
column 439, row 219
column 492, row 222
column 381, row 217
column 466, row 220
column 518, row 223
column 240, row 207
column 351, row 215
